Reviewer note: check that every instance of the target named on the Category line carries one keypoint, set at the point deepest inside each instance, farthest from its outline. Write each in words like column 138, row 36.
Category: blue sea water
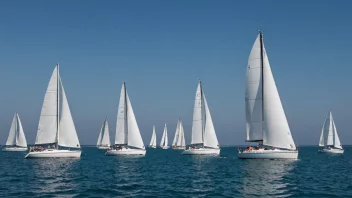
column 166, row 173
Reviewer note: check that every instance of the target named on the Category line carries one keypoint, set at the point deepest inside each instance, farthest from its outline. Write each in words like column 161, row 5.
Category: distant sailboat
column 56, row 127
column 16, row 140
column 128, row 139
column 104, row 138
column 152, row 143
column 164, row 140
column 179, row 139
column 329, row 138
column 204, row 140
column 266, row 120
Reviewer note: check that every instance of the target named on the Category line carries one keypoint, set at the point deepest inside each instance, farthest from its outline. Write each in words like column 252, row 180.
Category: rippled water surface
column 166, row 173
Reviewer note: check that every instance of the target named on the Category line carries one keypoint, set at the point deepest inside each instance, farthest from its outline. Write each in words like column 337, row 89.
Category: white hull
column 201, row 151
column 332, row 150
column 15, row 149
column 268, row 154
column 103, row 147
column 152, row 146
column 165, row 147
column 179, row 148
column 53, row 153
column 124, row 151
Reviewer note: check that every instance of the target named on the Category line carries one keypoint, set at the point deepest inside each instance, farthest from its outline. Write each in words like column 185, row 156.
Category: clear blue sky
column 160, row 48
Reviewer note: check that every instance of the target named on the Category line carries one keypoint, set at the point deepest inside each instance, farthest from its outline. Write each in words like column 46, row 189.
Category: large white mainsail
column 266, row 118
column 153, row 139
column 176, row 134
column 104, row 138
column 164, row 139
column 127, row 131
column 16, row 135
column 48, row 121
column 329, row 135
column 197, row 125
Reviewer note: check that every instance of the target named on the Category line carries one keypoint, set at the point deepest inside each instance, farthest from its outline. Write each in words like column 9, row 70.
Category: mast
column 262, row 78
column 57, row 106
column 126, row 124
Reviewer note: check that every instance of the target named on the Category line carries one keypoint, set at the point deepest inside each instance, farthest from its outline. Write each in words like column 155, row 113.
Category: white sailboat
column 179, row 139
column 164, row 140
column 104, row 138
column 16, row 140
column 152, row 143
column 329, row 138
column 56, row 129
column 266, row 120
column 204, row 140
column 128, row 139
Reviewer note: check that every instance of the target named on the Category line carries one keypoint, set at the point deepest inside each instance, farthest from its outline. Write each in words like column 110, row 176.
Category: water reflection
column 53, row 176
column 265, row 177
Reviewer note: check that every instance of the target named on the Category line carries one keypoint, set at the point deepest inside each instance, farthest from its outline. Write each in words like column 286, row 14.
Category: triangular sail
column 177, row 134
column 322, row 139
column 11, row 140
column 337, row 143
column 105, row 139
column 121, row 123
column 20, row 138
column 134, row 135
column 47, row 127
column 182, row 132
column 181, row 135
column 164, row 139
column 197, row 125
column 276, row 132
column 329, row 131
column 153, row 139
column 100, row 135
column 210, row 139
column 67, row 131
column 253, row 95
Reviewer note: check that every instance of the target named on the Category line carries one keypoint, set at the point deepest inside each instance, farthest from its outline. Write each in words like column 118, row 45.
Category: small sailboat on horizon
column 204, row 140
column 16, row 140
column 164, row 140
column 128, row 139
column 56, row 128
column 265, row 116
column 329, row 138
column 152, row 143
column 179, row 139
column 104, row 137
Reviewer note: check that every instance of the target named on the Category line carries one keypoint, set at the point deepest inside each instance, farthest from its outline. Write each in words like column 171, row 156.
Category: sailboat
column 152, row 143
column 56, row 129
column 104, row 138
column 329, row 138
column 179, row 139
column 204, row 140
column 164, row 139
column 16, row 140
column 266, row 120
column 128, row 139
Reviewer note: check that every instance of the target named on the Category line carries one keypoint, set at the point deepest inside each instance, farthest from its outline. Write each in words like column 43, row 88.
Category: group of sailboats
column 266, row 123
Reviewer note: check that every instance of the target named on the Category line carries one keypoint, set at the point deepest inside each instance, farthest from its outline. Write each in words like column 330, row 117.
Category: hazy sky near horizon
column 161, row 48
